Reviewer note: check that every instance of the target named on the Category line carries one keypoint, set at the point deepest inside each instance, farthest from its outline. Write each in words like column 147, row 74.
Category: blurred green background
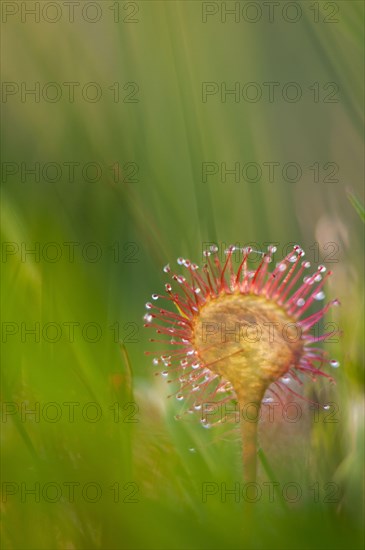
column 126, row 192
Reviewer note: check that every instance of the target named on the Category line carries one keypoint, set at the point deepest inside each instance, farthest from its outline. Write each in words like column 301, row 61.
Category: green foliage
column 359, row 207
column 162, row 481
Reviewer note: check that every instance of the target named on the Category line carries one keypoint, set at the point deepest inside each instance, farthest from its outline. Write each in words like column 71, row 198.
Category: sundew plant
column 211, row 361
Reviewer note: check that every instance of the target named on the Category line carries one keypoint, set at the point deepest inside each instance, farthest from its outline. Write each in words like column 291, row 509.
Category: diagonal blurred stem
column 270, row 474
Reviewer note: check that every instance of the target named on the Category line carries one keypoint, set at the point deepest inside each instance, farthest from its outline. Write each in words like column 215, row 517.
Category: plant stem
column 249, row 431
column 249, row 396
